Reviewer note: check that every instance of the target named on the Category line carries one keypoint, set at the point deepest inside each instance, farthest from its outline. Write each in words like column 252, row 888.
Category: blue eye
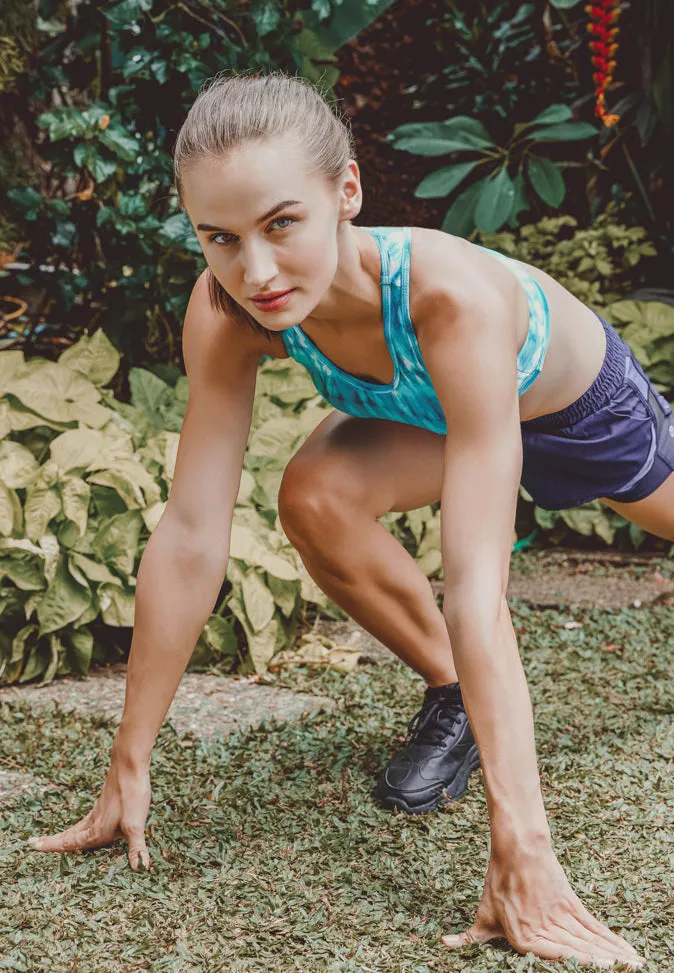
column 214, row 238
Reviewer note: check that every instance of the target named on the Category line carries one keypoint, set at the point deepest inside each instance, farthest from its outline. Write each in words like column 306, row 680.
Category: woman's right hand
column 120, row 812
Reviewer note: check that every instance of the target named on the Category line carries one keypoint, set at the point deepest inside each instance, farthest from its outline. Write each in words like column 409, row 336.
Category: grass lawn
column 270, row 855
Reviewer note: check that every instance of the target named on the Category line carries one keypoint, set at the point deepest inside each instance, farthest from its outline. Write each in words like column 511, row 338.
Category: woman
column 456, row 373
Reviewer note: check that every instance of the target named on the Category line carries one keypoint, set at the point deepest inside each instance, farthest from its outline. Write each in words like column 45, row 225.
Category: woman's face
column 255, row 246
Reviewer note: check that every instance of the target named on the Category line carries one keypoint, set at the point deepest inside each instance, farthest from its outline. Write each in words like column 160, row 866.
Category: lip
column 274, row 301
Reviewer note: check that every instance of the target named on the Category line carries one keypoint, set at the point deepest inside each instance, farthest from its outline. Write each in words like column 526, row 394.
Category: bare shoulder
column 208, row 329
column 448, row 275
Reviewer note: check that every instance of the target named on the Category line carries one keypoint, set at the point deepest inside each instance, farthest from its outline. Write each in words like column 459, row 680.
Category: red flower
column 602, row 16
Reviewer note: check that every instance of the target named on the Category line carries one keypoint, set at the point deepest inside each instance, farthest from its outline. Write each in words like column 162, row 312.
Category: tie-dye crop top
column 410, row 397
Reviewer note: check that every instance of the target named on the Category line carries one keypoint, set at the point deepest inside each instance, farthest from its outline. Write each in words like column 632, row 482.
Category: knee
column 310, row 505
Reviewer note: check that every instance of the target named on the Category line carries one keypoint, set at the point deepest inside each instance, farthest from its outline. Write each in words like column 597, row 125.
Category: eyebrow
column 261, row 219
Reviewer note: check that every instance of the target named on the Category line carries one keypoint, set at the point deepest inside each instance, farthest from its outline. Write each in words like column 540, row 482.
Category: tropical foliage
column 597, row 263
column 512, row 171
column 94, row 224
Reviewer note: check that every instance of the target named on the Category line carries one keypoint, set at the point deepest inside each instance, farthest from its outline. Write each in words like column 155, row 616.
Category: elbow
column 475, row 603
column 186, row 544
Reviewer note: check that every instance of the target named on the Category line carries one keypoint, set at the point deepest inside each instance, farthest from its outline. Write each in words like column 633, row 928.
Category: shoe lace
column 434, row 721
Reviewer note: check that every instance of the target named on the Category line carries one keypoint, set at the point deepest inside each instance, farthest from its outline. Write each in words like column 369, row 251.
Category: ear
column 350, row 192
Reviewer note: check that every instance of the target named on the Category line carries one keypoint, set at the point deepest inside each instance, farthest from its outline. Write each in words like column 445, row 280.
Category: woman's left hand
column 527, row 900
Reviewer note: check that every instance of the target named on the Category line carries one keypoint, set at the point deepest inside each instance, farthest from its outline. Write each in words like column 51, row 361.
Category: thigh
column 654, row 513
column 378, row 464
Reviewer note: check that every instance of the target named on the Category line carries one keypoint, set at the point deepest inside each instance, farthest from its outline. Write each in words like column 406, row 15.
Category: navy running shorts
column 615, row 441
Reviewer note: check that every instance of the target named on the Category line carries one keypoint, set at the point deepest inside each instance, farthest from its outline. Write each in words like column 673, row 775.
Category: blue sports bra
column 410, row 397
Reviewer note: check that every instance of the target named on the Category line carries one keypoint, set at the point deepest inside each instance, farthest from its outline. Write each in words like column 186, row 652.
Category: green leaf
column 279, row 567
column 117, row 605
column 19, row 642
column 53, row 391
column 127, row 12
column 496, row 202
column 93, row 570
column 520, row 202
column 121, row 144
column 258, row 600
column 285, row 594
column 63, row 602
column 93, row 356
column 347, row 19
column 64, row 123
column 459, row 134
column 81, row 644
column 57, row 652
column 460, row 217
column 75, row 496
column 564, row 4
column 24, row 573
column 151, row 394
column 85, row 155
column 18, row 466
column 564, row 132
column 443, row 181
column 116, row 542
column 266, row 16
column 10, row 511
column 177, row 231
column 465, row 125
column 546, row 178
column 552, row 115
column 42, row 505
column 217, row 641
column 29, row 200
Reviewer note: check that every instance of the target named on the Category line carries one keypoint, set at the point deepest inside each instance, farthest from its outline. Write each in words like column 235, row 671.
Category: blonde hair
column 235, row 109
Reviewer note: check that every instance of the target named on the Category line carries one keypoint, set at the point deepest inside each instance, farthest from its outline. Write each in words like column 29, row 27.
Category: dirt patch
column 594, row 579
column 551, row 579
column 205, row 704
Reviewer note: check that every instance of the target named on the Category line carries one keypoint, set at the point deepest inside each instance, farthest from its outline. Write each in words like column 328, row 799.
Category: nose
column 259, row 266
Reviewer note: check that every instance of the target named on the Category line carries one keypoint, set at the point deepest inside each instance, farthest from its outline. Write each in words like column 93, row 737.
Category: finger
column 597, row 932
column 594, row 925
column 61, row 841
column 77, row 838
column 549, row 949
column 478, row 933
column 138, row 853
column 581, row 940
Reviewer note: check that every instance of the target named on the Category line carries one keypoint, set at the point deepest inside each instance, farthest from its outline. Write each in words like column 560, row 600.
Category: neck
column 354, row 297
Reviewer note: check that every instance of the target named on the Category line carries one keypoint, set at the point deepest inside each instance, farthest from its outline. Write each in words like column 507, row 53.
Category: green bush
column 110, row 87
column 595, row 263
column 84, row 479
column 500, row 191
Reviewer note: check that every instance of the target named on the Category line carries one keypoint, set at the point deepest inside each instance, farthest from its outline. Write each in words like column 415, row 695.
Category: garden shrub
column 84, row 480
column 595, row 263
column 104, row 241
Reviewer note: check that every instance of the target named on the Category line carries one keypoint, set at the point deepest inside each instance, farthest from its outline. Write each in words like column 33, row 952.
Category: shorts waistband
column 608, row 381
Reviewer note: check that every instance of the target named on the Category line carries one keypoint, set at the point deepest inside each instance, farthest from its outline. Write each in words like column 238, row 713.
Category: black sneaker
column 438, row 758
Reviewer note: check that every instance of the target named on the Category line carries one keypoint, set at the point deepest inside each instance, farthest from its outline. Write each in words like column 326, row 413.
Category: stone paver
column 205, row 704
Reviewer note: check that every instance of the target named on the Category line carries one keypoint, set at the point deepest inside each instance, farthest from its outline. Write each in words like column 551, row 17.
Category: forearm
column 176, row 591
column 497, row 701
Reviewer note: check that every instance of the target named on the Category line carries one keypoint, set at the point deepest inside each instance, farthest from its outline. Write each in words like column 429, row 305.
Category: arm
column 181, row 570
column 471, row 353
column 184, row 563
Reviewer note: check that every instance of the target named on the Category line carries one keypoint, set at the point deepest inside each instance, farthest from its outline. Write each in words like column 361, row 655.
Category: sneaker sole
column 454, row 790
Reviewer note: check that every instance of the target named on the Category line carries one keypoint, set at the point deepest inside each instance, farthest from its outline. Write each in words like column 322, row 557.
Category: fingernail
column 34, row 842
